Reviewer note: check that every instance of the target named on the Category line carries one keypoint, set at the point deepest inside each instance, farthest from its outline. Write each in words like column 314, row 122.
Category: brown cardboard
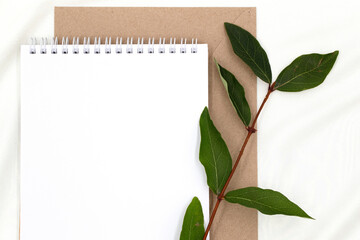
column 206, row 24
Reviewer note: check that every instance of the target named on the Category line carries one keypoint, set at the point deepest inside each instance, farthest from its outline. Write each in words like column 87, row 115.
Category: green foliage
column 214, row 154
column 193, row 224
column 250, row 51
column 305, row 72
column 236, row 93
column 266, row 201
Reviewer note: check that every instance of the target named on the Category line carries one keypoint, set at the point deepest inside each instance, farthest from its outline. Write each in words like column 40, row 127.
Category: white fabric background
column 308, row 142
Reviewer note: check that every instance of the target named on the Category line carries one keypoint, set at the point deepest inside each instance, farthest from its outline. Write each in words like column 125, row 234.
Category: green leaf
column 193, row 224
column 214, row 154
column 236, row 93
column 266, row 201
column 250, row 51
column 305, row 72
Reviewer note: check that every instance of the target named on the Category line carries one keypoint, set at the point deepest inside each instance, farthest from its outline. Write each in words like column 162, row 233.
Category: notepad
column 110, row 139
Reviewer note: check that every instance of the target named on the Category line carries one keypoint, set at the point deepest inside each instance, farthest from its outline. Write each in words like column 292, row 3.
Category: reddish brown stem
column 251, row 130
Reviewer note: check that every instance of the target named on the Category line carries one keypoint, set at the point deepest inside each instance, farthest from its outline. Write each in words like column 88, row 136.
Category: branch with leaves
column 305, row 72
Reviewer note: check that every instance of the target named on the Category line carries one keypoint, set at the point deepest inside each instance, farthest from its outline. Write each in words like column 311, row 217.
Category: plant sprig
column 305, row 72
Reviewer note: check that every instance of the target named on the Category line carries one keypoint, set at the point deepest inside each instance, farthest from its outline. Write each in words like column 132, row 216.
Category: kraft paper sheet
column 207, row 25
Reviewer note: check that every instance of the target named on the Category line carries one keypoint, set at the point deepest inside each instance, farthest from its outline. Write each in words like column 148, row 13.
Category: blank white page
column 109, row 143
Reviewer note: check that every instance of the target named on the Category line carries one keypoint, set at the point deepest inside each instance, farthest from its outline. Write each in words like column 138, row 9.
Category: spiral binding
column 47, row 46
